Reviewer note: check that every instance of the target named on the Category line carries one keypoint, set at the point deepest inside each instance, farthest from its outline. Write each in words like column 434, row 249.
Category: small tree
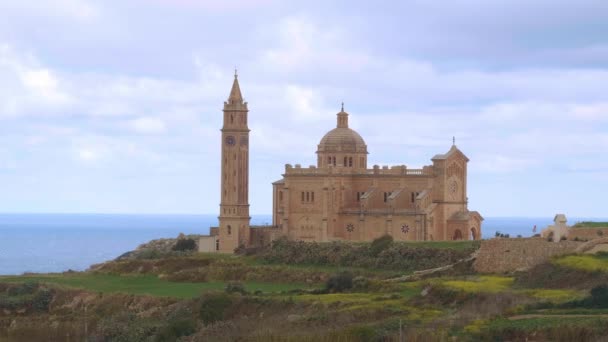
column 497, row 234
column 234, row 287
column 184, row 245
column 599, row 296
column 339, row 282
column 380, row 244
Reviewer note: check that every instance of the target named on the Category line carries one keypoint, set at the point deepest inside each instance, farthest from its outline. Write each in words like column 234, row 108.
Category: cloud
column 77, row 9
column 148, row 125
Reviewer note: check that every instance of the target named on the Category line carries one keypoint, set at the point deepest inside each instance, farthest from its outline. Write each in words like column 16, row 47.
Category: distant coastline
column 44, row 243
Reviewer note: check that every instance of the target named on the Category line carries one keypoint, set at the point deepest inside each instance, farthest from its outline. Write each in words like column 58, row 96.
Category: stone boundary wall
column 501, row 255
column 586, row 233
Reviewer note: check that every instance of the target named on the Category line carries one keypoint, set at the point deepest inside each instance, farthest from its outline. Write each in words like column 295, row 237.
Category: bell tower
column 234, row 207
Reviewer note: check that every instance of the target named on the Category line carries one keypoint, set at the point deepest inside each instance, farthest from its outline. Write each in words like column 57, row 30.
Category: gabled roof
column 453, row 150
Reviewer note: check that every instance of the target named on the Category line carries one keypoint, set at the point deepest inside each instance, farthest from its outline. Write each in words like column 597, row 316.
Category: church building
column 341, row 198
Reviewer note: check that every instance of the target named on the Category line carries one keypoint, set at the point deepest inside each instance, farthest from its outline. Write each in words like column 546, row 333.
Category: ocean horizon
column 47, row 243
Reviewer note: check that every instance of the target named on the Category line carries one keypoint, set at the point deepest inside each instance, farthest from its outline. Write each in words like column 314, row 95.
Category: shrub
column 235, row 287
column 339, row 282
column 360, row 283
column 28, row 287
column 380, row 244
column 185, row 245
column 599, row 296
column 42, row 300
column 213, row 307
column 600, row 233
column 177, row 328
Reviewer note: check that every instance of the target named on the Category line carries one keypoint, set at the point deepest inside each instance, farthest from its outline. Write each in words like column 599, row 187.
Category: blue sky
column 115, row 106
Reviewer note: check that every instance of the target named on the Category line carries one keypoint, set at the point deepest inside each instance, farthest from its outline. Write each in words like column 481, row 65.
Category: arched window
column 350, row 162
column 345, row 164
column 229, row 230
column 308, row 197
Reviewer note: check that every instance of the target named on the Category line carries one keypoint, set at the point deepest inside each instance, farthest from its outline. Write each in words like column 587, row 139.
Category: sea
column 46, row 243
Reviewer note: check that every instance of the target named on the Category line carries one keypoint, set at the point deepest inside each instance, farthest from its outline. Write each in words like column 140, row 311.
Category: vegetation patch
column 490, row 284
column 545, row 329
column 589, row 263
column 590, row 224
column 381, row 254
column 143, row 285
column 554, row 295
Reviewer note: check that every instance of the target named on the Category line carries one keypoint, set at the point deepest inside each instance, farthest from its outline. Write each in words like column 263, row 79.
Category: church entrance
column 474, row 234
column 457, row 235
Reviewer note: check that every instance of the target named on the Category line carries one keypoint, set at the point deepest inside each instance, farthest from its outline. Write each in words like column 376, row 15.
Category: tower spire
column 235, row 92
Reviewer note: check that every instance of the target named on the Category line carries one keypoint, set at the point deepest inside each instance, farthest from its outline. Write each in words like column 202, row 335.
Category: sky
column 115, row 106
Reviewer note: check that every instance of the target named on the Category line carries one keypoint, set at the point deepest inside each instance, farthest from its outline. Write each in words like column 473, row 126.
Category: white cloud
column 78, row 9
column 148, row 125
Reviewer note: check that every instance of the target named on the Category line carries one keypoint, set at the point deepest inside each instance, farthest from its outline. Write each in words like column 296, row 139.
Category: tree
column 183, row 245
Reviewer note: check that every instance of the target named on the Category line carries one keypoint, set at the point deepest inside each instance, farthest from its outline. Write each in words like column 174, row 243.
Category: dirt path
column 520, row 317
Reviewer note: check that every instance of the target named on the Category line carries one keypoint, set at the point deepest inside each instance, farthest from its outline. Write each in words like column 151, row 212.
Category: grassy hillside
column 318, row 296
column 590, row 224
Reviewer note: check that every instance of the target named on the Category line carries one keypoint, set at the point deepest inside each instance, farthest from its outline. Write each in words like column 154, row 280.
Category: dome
column 342, row 138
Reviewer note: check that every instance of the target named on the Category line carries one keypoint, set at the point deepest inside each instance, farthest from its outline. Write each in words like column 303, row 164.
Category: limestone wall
column 508, row 255
column 586, row 233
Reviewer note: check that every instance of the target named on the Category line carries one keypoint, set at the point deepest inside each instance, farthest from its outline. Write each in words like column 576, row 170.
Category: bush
column 213, row 307
column 599, row 296
column 29, row 287
column 42, row 299
column 339, row 282
column 380, row 244
column 177, row 328
column 185, row 245
column 360, row 283
column 235, row 287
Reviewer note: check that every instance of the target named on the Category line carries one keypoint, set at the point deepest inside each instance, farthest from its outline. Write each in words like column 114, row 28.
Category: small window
column 358, row 196
column 345, row 160
column 217, row 244
column 334, row 161
column 350, row 162
column 308, row 197
column 312, row 196
column 229, row 230
column 280, row 195
column 303, row 196
column 231, row 118
column 328, row 160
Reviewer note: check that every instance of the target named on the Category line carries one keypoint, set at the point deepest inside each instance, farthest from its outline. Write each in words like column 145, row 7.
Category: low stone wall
column 507, row 255
column 587, row 233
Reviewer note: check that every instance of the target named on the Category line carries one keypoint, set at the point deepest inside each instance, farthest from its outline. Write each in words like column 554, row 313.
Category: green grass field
column 142, row 285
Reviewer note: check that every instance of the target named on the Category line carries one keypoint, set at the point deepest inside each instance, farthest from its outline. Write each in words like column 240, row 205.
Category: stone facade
column 509, row 255
column 341, row 198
